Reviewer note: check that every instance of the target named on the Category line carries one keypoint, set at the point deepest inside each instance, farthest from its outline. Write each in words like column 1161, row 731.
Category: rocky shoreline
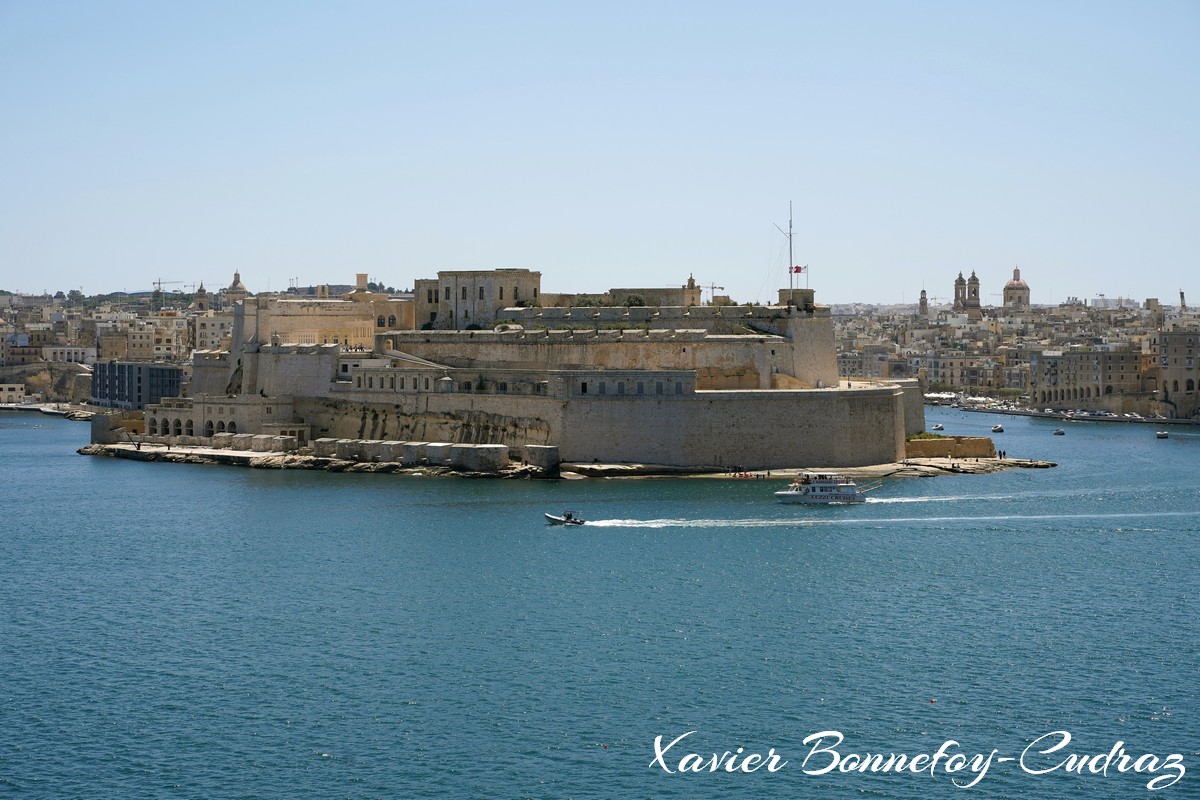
column 910, row 468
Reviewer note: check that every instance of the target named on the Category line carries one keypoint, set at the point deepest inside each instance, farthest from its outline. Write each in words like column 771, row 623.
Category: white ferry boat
column 822, row 488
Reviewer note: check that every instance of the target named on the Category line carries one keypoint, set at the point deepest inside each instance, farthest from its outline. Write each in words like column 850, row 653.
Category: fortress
column 752, row 386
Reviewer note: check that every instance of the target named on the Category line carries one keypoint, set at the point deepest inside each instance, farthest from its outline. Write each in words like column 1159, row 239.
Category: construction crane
column 712, row 291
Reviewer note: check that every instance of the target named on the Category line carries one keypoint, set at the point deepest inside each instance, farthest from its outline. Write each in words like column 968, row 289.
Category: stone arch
column 208, row 428
column 1108, row 389
column 151, row 426
column 1191, row 385
column 379, row 322
column 232, row 427
column 187, row 428
column 1174, row 386
column 391, row 320
column 221, row 426
column 178, row 431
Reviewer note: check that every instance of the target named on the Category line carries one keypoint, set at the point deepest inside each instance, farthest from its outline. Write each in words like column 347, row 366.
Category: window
column 379, row 323
column 480, row 292
column 391, row 320
column 678, row 387
column 535, row 293
column 501, row 292
column 429, row 295
column 464, row 293
column 446, row 293
column 658, row 387
column 583, row 387
column 516, row 294
column 603, row 387
column 641, row 387
column 620, row 387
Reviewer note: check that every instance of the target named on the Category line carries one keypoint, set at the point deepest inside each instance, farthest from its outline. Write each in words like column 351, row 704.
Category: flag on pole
column 800, row 269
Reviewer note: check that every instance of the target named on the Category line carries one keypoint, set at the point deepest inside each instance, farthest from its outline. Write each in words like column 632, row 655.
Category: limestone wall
column 953, row 446
column 720, row 362
column 756, row 430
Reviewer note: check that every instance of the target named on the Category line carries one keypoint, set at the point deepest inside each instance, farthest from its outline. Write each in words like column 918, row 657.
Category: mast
column 791, row 260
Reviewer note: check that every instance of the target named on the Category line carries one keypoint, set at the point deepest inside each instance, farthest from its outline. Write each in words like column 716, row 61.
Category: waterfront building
column 12, row 393
column 133, row 385
column 1179, row 371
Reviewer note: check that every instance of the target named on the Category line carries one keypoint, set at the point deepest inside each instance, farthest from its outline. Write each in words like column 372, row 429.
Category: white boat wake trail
column 867, row 522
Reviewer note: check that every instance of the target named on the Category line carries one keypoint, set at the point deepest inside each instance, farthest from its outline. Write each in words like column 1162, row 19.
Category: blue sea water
column 202, row 632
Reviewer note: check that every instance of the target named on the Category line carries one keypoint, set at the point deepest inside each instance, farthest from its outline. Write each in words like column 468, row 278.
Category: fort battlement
column 298, row 348
column 660, row 316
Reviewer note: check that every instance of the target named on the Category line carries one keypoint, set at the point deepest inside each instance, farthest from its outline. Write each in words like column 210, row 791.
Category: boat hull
column 825, row 499
column 555, row 520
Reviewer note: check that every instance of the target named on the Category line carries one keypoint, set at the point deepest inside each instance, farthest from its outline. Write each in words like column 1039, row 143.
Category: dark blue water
column 201, row 632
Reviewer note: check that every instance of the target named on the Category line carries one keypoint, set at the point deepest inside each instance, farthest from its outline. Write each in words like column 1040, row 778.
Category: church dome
column 1016, row 282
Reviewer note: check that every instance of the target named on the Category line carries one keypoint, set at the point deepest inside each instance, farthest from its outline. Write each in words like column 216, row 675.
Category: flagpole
column 791, row 259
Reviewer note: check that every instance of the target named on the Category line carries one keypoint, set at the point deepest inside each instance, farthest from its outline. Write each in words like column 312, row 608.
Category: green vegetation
column 926, row 435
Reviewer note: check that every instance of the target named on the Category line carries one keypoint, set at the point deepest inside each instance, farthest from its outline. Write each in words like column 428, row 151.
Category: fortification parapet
column 324, row 448
column 437, row 454
column 479, row 457
column 348, row 449
column 412, row 453
column 544, row 457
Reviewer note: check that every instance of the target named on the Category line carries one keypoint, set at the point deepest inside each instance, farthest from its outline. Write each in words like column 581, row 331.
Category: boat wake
column 696, row 523
column 872, row 522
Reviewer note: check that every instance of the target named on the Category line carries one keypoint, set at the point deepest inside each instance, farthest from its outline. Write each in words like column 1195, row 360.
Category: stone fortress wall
column 749, row 386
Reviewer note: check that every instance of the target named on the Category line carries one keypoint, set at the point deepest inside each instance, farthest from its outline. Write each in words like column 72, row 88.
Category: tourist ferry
column 822, row 488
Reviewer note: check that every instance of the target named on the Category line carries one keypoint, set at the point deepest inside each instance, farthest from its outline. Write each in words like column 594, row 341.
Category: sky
column 613, row 144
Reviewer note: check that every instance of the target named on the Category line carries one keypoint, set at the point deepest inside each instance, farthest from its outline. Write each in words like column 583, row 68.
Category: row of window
column 390, row 382
column 619, row 387
column 431, row 295
column 164, row 427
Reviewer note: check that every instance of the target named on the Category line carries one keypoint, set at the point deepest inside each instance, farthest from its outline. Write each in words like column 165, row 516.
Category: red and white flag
column 800, row 269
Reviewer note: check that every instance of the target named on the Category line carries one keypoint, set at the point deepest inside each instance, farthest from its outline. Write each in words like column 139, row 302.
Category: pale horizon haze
column 605, row 145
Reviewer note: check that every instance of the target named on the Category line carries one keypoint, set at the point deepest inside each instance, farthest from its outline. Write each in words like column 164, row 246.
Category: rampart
column 952, row 447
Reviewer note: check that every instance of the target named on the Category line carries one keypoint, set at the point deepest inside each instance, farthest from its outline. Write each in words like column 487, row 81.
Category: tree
column 59, row 295
column 635, row 300
column 75, row 296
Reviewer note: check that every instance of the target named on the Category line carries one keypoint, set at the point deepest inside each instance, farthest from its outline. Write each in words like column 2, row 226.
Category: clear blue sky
column 605, row 144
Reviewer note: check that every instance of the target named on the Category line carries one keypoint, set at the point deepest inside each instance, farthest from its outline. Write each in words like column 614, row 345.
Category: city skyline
column 630, row 145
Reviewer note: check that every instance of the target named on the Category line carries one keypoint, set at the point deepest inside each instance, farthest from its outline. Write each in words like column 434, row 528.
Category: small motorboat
column 567, row 518
column 938, row 427
column 1059, row 432
column 997, row 429
column 1161, row 434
